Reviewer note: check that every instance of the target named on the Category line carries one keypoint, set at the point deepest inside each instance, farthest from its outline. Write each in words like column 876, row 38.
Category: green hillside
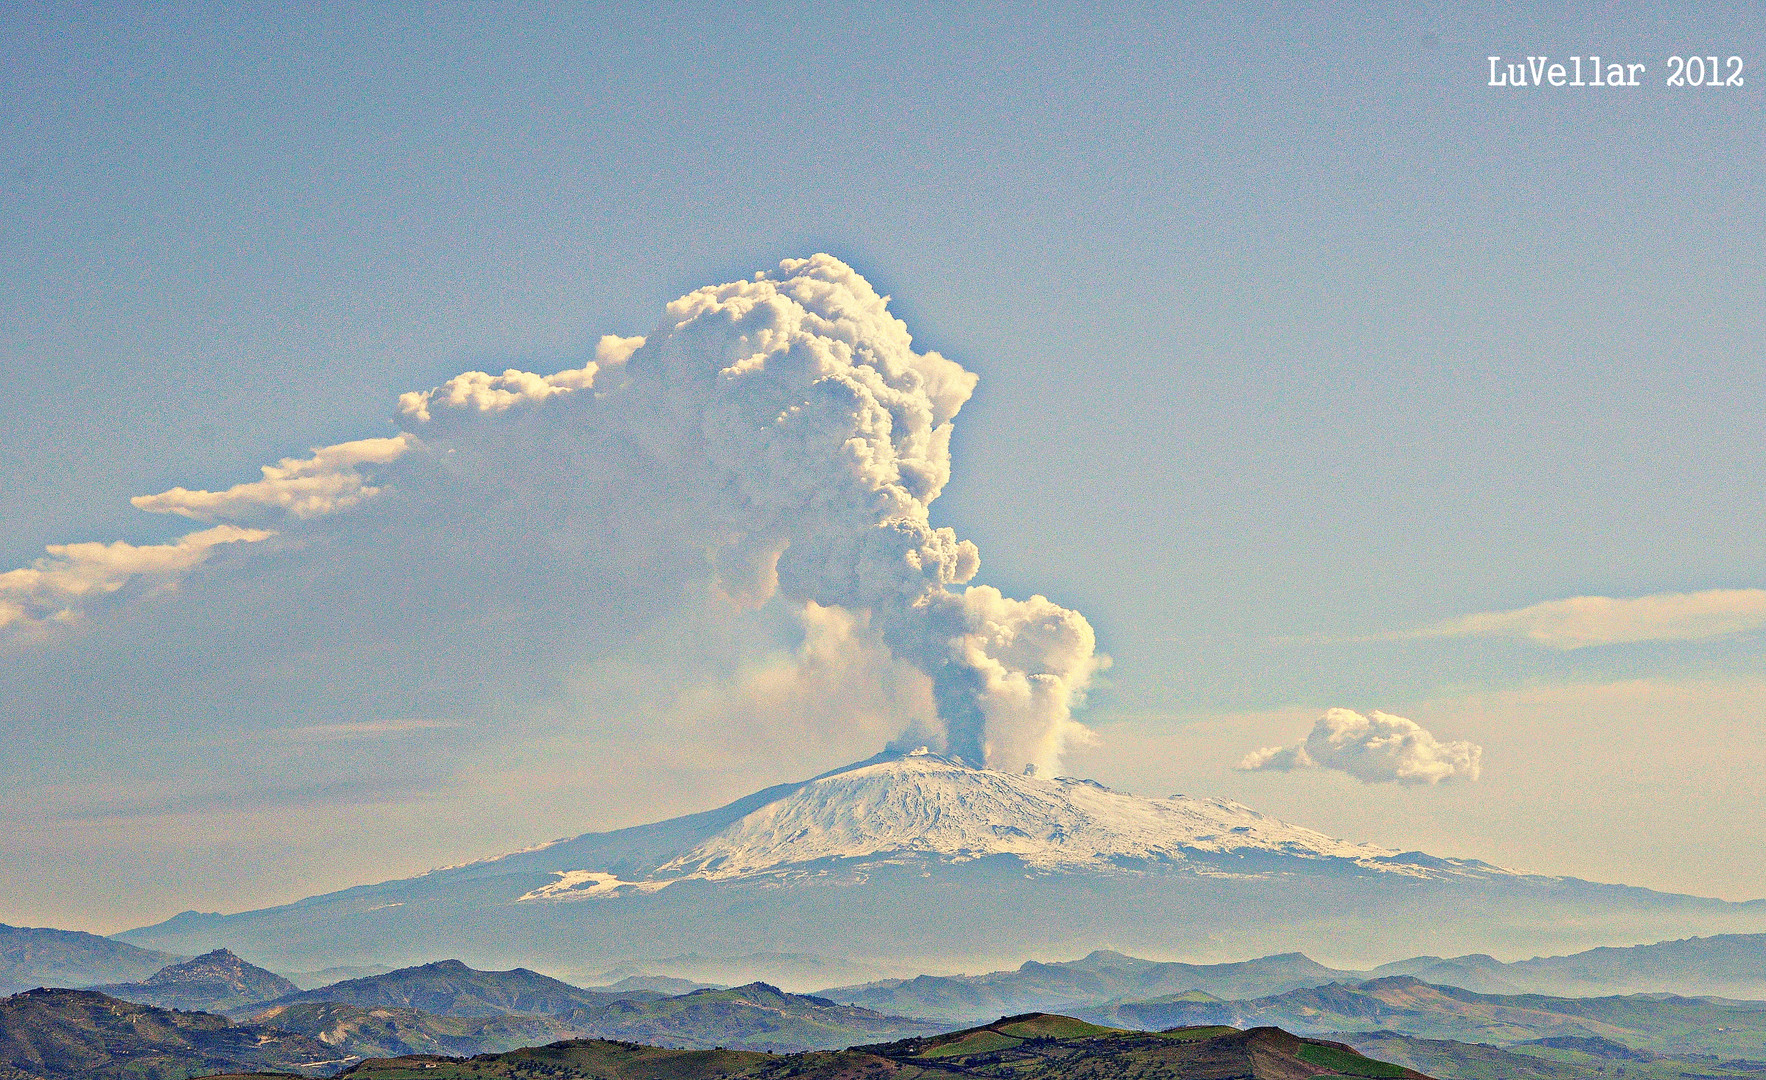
column 84, row 1035
column 1030, row 1047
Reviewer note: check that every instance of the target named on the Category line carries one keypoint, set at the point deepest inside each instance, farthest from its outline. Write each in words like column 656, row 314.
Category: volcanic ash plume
column 792, row 416
column 783, row 428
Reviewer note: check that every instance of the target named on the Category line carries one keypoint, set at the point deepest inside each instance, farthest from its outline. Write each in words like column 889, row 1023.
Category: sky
column 1311, row 373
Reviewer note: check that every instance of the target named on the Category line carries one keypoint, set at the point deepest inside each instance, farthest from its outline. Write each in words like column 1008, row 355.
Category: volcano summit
column 914, row 859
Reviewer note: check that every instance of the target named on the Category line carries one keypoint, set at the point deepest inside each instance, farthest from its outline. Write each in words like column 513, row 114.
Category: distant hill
column 752, row 1017
column 85, row 1035
column 1663, row 1023
column 1729, row 965
column 450, row 988
column 392, row 1032
column 39, row 956
column 663, row 984
column 213, row 982
column 1562, row 1058
column 1032, row 1047
column 312, row 980
column 1100, row 977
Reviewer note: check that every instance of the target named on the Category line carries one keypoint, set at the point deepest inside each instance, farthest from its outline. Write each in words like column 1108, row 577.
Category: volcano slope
column 917, row 861
column 1031, row 1047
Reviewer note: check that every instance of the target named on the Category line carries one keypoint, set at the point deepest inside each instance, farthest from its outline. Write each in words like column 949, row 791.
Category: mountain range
column 1442, row 1031
column 914, row 861
column 1664, row 1023
column 1730, row 965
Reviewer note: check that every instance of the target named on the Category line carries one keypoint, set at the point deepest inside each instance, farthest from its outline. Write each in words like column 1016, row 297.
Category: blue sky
column 1292, row 338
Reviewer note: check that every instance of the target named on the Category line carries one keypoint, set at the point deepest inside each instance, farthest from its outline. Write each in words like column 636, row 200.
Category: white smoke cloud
column 1583, row 621
column 311, row 487
column 1376, row 748
column 792, row 415
column 55, row 589
column 777, row 441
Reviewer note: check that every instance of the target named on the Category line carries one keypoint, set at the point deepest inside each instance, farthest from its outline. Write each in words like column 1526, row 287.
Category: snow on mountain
column 913, row 861
column 920, row 805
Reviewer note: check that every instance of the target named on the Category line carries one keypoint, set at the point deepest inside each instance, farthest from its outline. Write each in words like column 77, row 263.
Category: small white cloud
column 612, row 349
column 1376, row 748
column 54, row 589
column 1278, row 759
column 312, row 487
column 1582, row 621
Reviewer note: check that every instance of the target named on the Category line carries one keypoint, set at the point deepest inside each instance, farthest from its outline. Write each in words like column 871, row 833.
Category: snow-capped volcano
column 924, row 804
column 902, row 807
column 910, row 860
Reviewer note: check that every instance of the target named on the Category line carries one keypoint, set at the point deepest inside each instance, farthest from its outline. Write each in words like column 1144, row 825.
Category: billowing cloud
column 794, row 431
column 325, row 483
column 1376, row 748
column 775, row 444
column 481, row 391
column 58, row 587
column 1583, row 621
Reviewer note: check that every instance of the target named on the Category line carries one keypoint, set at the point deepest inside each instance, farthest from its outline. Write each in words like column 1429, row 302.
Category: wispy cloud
column 365, row 729
column 1583, row 621
column 56, row 588
column 325, row 483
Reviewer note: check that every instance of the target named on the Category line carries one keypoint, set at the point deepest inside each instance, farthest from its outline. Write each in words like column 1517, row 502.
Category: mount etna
column 916, row 861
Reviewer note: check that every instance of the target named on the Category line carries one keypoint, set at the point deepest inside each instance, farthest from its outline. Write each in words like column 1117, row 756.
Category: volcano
column 916, row 861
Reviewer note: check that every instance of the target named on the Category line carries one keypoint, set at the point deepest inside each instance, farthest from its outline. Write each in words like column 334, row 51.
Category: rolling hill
column 356, row 1032
column 450, row 988
column 1562, row 1058
column 1032, row 1047
column 1103, row 976
column 752, row 1017
column 85, row 1035
column 213, row 982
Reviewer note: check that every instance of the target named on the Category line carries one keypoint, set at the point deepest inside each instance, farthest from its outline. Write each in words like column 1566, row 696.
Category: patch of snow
column 578, row 884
